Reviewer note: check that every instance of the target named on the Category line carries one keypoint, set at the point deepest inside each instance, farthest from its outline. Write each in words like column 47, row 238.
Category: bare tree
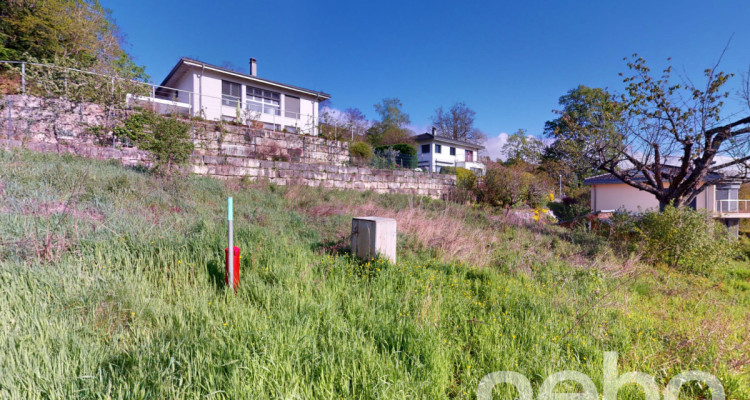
column 356, row 122
column 457, row 123
column 665, row 138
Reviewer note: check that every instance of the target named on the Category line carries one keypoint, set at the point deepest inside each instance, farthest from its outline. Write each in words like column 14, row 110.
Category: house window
column 271, row 127
column 453, row 151
column 263, row 101
column 469, row 156
column 425, row 149
column 438, row 148
column 230, row 93
column 291, row 107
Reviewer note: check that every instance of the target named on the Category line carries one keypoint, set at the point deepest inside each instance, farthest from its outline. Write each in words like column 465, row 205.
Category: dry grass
column 444, row 231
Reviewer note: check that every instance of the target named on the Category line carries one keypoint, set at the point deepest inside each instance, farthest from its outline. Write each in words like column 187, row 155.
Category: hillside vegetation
column 112, row 287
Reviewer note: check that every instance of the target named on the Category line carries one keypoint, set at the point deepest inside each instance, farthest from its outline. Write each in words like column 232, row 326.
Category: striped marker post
column 230, row 220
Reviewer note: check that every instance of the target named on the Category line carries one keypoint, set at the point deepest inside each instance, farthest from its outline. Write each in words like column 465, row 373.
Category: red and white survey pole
column 232, row 257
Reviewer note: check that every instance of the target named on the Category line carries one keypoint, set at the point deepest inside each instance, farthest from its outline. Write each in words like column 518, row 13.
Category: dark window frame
column 438, row 149
column 228, row 97
column 425, row 146
column 262, row 100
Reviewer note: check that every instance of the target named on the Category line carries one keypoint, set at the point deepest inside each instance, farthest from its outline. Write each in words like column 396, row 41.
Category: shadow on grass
column 335, row 247
column 216, row 274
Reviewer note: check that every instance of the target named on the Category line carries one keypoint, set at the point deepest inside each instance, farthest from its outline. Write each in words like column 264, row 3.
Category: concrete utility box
column 372, row 236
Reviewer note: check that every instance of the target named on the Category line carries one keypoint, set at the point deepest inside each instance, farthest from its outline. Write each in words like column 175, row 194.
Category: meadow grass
column 112, row 287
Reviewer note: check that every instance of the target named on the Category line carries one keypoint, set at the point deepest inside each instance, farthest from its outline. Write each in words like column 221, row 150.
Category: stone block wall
column 223, row 151
column 30, row 118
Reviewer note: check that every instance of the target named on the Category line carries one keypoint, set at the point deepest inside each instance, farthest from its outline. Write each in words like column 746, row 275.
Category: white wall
column 207, row 93
column 185, row 86
column 444, row 158
column 622, row 196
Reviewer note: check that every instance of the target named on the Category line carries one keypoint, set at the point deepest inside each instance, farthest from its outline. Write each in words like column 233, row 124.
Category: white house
column 435, row 152
column 719, row 197
column 215, row 93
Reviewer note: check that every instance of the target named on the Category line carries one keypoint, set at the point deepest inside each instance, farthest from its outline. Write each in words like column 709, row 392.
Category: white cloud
column 335, row 113
column 494, row 146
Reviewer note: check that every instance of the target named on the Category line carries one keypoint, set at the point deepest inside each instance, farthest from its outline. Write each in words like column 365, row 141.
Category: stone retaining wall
column 222, row 151
column 53, row 120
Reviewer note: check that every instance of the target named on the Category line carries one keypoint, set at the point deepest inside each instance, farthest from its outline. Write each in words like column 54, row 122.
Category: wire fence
column 393, row 159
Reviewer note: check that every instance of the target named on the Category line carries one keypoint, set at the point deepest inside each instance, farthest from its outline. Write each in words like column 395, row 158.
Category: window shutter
column 291, row 106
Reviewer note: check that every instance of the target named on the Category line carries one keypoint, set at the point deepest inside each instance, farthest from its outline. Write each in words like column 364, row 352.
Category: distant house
column 720, row 198
column 435, row 152
column 215, row 93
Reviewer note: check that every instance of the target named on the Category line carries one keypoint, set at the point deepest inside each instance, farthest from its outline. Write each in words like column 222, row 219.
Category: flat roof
column 604, row 179
column 428, row 137
column 198, row 63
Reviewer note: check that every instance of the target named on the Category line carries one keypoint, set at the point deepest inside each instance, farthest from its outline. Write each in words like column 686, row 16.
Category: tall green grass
column 112, row 287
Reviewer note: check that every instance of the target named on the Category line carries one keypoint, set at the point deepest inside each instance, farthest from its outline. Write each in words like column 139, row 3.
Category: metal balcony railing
column 733, row 206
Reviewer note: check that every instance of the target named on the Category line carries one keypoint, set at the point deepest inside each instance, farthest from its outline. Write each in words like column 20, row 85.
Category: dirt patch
column 56, row 208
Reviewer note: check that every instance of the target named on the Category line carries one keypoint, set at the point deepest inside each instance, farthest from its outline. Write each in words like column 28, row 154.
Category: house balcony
column 732, row 209
column 161, row 106
column 477, row 167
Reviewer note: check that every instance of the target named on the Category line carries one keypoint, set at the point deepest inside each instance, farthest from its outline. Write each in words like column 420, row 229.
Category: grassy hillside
column 112, row 287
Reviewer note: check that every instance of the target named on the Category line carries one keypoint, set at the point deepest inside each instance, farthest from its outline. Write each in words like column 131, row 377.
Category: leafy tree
column 457, row 123
column 586, row 113
column 77, row 33
column 662, row 137
column 391, row 128
column 521, row 147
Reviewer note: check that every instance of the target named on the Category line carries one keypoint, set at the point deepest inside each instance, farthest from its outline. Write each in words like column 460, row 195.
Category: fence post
column 23, row 78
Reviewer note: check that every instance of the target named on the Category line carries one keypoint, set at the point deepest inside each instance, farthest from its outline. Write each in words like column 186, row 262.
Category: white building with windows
column 435, row 152
column 203, row 90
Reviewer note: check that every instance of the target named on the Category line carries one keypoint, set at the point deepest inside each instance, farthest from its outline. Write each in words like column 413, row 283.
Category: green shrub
column 166, row 138
column 465, row 179
column 509, row 186
column 361, row 151
column 448, row 170
column 683, row 238
column 403, row 148
column 407, row 154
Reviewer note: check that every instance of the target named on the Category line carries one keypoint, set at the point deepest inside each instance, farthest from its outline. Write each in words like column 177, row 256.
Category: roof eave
column 449, row 141
column 197, row 63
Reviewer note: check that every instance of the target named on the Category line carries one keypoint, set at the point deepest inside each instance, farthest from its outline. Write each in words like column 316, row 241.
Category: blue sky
column 509, row 61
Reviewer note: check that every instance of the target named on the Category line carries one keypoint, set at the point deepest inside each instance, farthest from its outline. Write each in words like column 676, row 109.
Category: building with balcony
column 719, row 197
column 199, row 89
column 435, row 152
